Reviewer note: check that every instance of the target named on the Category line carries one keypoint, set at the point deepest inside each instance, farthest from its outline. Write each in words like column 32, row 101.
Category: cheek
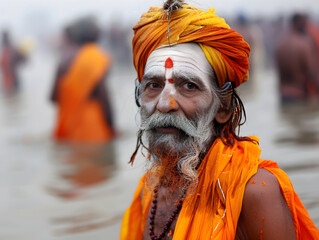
column 148, row 106
column 205, row 103
column 194, row 105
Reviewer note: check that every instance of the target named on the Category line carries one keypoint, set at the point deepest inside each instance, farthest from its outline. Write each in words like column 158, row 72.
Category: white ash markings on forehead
column 188, row 58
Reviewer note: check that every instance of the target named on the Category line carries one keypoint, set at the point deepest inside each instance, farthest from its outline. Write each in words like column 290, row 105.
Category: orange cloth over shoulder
column 224, row 48
column 81, row 118
column 228, row 168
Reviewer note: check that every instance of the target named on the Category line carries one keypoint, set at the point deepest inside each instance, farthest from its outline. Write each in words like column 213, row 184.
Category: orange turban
column 224, row 48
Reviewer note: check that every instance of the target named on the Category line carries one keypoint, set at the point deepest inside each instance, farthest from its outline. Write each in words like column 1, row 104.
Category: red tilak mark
column 169, row 63
column 253, row 182
column 170, row 80
column 264, row 184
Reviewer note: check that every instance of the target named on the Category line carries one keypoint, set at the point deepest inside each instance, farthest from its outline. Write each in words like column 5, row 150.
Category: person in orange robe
column 84, row 110
column 202, row 180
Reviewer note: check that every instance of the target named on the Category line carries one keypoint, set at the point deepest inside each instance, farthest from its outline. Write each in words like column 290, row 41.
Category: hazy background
column 36, row 17
column 38, row 202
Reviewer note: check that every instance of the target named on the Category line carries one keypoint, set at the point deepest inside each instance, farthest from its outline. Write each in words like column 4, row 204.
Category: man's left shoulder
column 265, row 210
column 262, row 184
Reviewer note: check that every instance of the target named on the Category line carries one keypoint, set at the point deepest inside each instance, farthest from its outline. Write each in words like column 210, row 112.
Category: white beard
column 192, row 139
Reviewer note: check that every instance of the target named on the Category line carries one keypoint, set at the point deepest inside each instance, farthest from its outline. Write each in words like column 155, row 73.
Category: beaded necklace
column 170, row 220
column 172, row 217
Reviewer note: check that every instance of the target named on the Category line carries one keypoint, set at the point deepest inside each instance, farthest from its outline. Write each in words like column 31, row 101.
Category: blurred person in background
column 313, row 30
column 11, row 58
column 119, row 42
column 203, row 181
column 84, row 128
column 253, row 35
column 296, row 64
column 84, row 109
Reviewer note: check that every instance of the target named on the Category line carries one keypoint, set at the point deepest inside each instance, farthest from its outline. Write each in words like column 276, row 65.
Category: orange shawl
column 224, row 48
column 80, row 118
column 232, row 167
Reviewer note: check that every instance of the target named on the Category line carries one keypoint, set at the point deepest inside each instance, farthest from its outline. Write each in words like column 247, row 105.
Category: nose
column 167, row 102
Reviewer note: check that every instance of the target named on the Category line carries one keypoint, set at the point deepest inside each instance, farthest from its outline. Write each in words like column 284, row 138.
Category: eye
column 189, row 86
column 154, row 85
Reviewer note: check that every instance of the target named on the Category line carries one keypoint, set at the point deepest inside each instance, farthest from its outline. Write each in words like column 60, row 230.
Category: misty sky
column 49, row 15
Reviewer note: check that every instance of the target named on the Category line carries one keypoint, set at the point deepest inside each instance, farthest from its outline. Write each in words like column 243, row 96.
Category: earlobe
column 223, row 115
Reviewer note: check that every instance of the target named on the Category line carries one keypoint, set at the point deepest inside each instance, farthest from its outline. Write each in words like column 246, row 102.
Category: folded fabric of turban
column 225, row 49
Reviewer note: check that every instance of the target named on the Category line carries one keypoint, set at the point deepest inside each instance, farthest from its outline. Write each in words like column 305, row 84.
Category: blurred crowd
column 289, row 45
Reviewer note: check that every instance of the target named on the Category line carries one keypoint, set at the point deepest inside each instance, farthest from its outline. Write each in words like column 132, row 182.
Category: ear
column 137, row 93
column 225, row 110
column 223, row 115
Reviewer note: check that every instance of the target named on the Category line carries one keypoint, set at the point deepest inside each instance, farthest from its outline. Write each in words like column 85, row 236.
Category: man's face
column 176, row 94
column 177, row 79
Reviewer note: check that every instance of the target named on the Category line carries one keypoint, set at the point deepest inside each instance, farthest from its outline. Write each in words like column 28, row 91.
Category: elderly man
column 203, row 181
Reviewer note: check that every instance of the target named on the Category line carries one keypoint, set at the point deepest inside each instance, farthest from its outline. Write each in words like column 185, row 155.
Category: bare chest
column 162, row 216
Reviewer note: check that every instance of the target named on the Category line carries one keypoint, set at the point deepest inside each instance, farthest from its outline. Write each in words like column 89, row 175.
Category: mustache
column 161, row 120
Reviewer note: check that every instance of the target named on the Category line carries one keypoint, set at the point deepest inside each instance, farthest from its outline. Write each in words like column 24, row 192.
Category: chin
column 174, row 145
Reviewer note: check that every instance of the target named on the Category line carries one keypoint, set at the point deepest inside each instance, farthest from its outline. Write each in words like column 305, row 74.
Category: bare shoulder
column 262, row 184
column 265, row 214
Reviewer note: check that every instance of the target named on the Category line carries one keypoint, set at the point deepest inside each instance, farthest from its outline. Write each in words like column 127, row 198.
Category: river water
column 62, row 192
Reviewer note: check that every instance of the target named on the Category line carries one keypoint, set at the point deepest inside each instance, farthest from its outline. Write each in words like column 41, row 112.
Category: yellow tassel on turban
column 224, row 48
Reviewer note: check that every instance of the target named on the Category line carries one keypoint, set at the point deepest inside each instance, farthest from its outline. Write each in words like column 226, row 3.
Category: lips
column 167, row 130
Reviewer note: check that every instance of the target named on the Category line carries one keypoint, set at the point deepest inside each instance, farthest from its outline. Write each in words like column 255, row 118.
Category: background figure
column 119, row 41
column 11, row 58
column 296, row 63
column 84, row 111
column 85, row 120
column 253, row 35
column 313, row 31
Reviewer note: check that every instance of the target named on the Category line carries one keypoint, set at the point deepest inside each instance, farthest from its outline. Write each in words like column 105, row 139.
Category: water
column 44, row 193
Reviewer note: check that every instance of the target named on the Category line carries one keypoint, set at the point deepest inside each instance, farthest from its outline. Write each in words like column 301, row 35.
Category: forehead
column 186, row 57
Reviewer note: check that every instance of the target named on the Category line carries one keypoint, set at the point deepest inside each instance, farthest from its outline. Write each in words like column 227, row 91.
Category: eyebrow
column 152, row 75
column 179, row 75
